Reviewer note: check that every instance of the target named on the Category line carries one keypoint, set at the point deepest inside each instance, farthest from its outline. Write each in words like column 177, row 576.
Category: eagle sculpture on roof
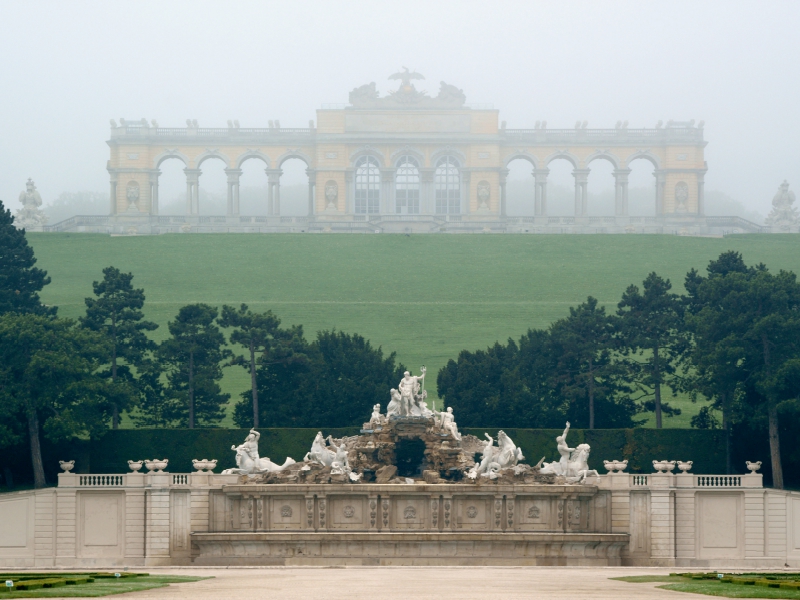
column 405, row 76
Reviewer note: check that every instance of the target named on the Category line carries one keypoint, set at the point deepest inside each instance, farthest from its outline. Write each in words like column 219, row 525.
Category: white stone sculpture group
column 249, row 463
column 503, row 456
column 408, row 400
column 30, row 216
column 574, row 462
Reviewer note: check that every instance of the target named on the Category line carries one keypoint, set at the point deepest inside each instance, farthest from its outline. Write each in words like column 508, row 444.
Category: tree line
column 733, row 340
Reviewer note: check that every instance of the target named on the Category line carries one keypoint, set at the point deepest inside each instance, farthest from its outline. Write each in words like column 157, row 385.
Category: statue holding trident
column 409, row 387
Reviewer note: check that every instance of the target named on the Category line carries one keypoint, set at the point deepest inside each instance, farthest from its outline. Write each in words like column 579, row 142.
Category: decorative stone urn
column 135, row 465
column 753, row 466
column 685, row 465
column 67, row 465
column 156, row 465
column 663, row 466
column 204, row 465
column 615, row 466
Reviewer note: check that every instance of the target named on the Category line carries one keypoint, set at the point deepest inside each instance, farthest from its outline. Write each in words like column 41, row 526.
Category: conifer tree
column 20, row 280
column 192, row 359
column 117, row 314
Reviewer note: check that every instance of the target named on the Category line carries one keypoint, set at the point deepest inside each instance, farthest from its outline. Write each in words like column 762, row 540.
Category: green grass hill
column 424, row 296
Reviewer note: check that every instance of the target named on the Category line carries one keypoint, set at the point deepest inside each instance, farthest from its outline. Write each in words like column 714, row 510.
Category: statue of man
column 449, row 423
column 250, row 445
column 564, row 450
column 408, row 387
column 30, row 215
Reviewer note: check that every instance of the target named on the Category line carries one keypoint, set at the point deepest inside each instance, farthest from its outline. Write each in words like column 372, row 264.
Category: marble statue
column 493, row 459
column 249, row 463
column 30, row 215
column 783, row 214
column 393, row 408
column 319, row 453
column 409, row 388
column 375, row 419
column 574, row 462
column 340, row 465
column 447, row 423
column 407, row 95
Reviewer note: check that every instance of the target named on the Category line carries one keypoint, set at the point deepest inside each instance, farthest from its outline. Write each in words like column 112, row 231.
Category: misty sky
column 68, row 67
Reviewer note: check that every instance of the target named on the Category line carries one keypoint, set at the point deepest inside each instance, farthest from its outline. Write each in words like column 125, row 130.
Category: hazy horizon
column 69, row 68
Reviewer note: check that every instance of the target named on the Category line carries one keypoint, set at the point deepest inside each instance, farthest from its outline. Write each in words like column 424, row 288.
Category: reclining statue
column 249, row 463
column 505, row 455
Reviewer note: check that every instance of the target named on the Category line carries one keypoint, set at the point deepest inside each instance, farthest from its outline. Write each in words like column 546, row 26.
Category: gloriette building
column 406, row 162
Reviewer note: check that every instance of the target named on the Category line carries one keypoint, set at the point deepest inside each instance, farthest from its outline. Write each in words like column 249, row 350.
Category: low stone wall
column 708, row 521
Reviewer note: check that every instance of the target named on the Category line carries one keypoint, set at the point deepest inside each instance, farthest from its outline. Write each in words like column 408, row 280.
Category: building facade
column 406, row 162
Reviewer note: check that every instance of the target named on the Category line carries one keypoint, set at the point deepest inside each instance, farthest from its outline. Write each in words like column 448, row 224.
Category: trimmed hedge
column 110, row 454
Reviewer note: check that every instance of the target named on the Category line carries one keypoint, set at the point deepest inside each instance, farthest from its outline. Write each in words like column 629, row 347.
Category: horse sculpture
column 577, row 469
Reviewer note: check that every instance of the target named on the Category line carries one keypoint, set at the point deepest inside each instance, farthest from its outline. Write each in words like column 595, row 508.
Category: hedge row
column 110, row 454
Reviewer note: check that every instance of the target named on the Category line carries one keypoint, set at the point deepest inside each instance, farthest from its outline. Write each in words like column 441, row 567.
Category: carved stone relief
column 349, row 511
column 472, row 512
column 286, row 510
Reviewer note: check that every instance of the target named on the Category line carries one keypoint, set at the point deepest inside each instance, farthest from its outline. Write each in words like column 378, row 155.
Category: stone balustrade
column 138, row 519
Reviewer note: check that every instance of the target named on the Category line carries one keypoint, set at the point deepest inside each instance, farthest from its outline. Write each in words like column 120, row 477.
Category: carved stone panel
column 348, row 512
column 534, row 513
column 719, row 525
column 640, row 524
column 474, row 513
column 288, row 512
column 101, row 521
column 409, row 512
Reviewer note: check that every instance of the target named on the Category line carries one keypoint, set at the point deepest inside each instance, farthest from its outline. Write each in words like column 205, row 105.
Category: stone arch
column 521, row 154
column 252, row 154
column 602, row 155
column 215, row 153
column 167, row 154
column 566, row 156
column 296, row 153
column 407, row 151
column 460, row 157
column 646, row 155
column 368, row 151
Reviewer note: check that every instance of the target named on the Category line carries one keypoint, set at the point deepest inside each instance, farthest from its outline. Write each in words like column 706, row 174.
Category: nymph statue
column 249, row 463
column 448, row 423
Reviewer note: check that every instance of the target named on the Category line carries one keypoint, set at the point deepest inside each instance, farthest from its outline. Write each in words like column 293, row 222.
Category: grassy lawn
column 711, row 588
column 424, row 296
column 101, row 587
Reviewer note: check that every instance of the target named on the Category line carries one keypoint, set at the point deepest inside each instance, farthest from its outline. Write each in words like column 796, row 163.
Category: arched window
column 368, row 186
column 448, row 186
column 407, row 186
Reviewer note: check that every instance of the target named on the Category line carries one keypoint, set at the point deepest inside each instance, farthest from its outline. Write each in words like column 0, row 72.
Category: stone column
column 621, row 192
column 66, row 526
column 581, row 180
column 154, row 191
column 388, row 206
column 662, row 519
column 349, row 195
column 274, row 196
column 192, row 191
column 233, row 191
column 661, row 183
column 754, row 523
column 540, row 183
column 426, row 192
column 312, row 184
column 113, row 194
column 465, row 191
column 701, row 193
column 685, row 531
column 503, row 197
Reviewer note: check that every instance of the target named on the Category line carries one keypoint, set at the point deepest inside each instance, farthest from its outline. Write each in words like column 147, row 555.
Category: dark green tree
column 192, row 359
column 651, row 332
column 337, row 384
column 117, row 314
column 265, row 342
column 20, row 280
column 749, row 321
column 48, row 379
column 586, row 370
